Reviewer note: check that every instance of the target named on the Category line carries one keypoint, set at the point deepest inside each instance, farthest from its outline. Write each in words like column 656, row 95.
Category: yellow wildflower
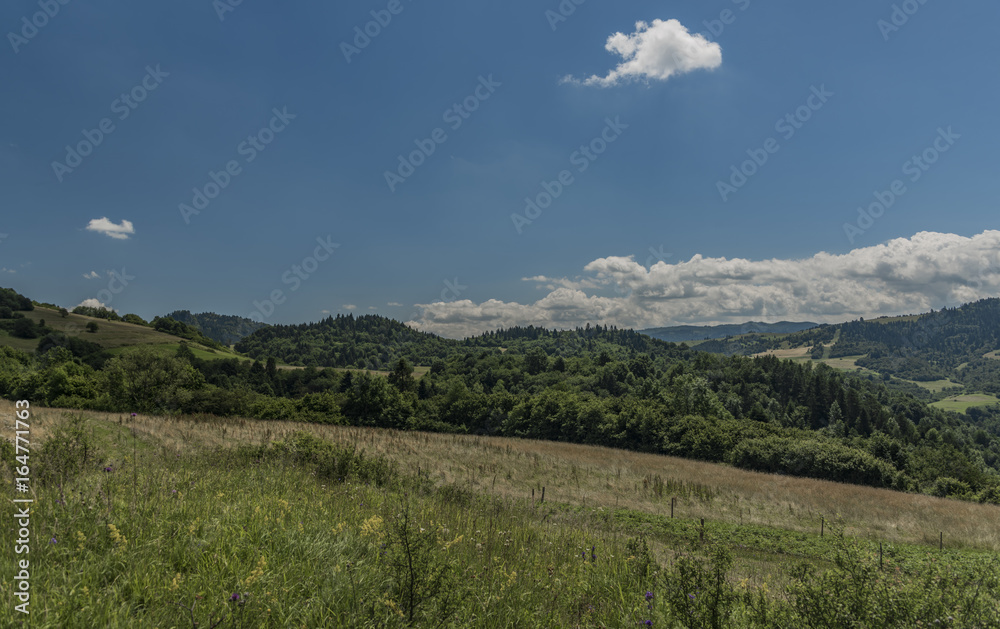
column 372, row 527
column 117, row 537
column 257, row 572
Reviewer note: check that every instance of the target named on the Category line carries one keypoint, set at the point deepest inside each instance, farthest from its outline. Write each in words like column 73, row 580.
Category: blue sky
column 645, row 235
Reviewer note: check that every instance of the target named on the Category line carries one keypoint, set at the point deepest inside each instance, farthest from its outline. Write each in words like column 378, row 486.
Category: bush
column 334, row 461
column 990, row 495
column 815, row 459
column 65, row 454
column 698, row 590
column 25, row 328
column 950, row 488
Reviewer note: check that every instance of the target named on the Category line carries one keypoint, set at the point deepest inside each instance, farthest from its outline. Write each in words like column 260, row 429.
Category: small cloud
column 350, row 307
column 325, row 311
column 116, row 231
column 373, row 307
column 91, row 276
column 656, row 52
column 92, row 303
column 6, row 270
column 395, row 304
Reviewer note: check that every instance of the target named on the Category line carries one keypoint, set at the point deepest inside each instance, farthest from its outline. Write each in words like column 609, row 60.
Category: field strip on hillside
column 597, row 477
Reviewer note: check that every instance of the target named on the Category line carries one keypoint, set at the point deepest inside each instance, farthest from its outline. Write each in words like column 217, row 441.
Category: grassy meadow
column 962, row 403
column 198, row 521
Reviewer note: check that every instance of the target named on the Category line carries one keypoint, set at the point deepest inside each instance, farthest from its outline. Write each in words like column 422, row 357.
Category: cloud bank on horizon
column 655, row 52
column 907, row 275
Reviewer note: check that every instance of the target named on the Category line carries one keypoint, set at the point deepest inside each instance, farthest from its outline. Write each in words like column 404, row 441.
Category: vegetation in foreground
column 299, row 531
column 593, row 385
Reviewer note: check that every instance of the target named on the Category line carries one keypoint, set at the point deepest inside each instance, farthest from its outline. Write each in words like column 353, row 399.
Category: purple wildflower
column 648, row 623
column 109, row 469
column 235, row 597
column 53, row 541
column 649, row 596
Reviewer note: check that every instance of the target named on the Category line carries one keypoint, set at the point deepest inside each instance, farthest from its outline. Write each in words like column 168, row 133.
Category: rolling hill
column 689, row 333
column 226, row 329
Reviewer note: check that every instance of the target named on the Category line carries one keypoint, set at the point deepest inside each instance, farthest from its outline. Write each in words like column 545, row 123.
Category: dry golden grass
column 597, row 477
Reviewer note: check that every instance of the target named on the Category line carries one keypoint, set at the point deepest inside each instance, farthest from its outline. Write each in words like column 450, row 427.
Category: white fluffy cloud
column 906, row 275
column 91, row 276
column 92, row 303
column 117, row 231
column 350, row 307
column 656, row 52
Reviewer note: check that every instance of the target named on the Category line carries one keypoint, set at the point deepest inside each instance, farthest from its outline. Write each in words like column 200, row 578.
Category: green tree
column 92, row 327
column 836, row 425
column 25, row 328
column 140, row 380
column 135, row 319
column 536, row 361
column 402, row 376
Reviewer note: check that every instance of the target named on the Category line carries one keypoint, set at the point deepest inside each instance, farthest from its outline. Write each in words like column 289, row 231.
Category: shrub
column 334, row 461
column 65, row 453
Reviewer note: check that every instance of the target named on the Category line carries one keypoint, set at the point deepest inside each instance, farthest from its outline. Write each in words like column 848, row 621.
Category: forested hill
column 226, row 329
column 688, row 333
column 956, row 343
column 595, row 385
column 377, row 343
column 365, row 342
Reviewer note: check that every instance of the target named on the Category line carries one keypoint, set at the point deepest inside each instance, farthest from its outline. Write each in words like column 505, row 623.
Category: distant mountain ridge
column 226, row 329
column 688, row 333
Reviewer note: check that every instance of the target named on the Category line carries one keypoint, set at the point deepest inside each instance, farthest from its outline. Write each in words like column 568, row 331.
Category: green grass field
column 111, row 335
column 962, row 403
column 936, row 386
column 168, row 522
